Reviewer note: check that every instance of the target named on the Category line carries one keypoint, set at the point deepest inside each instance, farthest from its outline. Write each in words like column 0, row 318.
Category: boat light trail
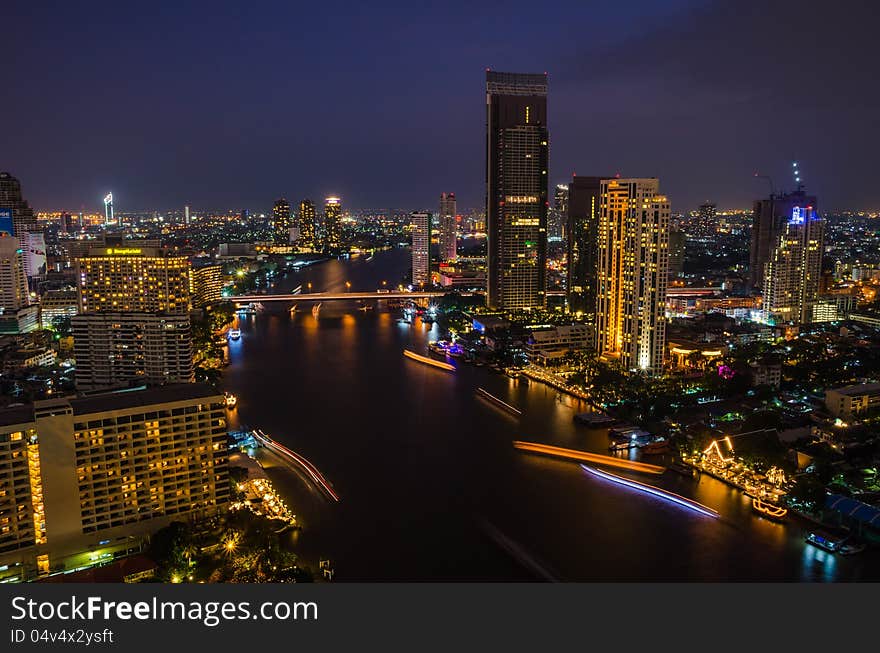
column 498, row 402
column 428, row 361
column 572, row 454
column 655, row 491
column 310, row 469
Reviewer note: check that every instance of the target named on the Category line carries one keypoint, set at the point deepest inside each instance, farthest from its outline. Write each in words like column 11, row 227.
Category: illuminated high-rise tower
column 22, row 216
column 516, row 189
column 421, row 248
column 281, row 222
column 448, row 227
column 308, row 228
column 792, row 273
column 633, row 262
column 333, row 224
column 769, row 220
column 108, row 209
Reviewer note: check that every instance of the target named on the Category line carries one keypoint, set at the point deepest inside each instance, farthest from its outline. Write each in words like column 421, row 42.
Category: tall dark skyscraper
column 281, row 222
column 308, row 228
column 448, row 227
column 516, row 188
column 769, row 220
column 583, row 199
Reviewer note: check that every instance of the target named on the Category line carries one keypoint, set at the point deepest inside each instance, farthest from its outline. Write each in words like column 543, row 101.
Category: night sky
column 224, row 105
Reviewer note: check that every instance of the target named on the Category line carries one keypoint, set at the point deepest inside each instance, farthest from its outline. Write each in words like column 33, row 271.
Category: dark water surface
column 431, row 487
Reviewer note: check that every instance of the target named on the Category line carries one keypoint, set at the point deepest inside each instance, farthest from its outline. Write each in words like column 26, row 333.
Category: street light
column 348, row 285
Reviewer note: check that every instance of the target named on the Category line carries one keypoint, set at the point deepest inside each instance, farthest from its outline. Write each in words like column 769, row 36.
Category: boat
column 684, row 470
column 594, row 420
column 852, row 548
column 231, row 399
column 233, row 334
column 769, row 510
column 824, row 541
column 623, row 445
column 656, row 447
column 428, row 361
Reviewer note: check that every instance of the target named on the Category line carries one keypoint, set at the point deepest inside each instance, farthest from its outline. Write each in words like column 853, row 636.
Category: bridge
column 334, row 296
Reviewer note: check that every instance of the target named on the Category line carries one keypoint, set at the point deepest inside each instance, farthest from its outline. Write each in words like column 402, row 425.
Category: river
column 430, row 486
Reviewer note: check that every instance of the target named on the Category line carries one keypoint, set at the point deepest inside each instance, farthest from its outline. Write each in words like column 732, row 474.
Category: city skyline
column 742, row 114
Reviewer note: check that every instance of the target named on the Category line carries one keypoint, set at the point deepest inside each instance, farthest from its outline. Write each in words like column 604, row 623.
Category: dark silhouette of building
column 584, row 202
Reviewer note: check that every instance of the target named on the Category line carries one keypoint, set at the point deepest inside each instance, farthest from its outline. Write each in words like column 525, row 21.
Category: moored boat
column 769, row 510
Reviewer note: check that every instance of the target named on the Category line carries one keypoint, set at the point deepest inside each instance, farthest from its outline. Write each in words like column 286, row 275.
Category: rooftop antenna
column 796, row 171
column 758, row 175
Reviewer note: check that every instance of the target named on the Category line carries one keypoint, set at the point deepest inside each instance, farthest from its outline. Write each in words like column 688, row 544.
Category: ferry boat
column 769, row 510
column 824, row 541
column 234, row 334
column 231, row 399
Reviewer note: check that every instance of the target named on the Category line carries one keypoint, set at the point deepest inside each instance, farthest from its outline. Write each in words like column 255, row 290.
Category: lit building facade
column 633, row 262
column 516, row 189
column 114, row 350
column 22, row 215
column 793, row 272
column 308, row 227
column 332, row 224
column 89, row 479
column 16, row 313
column 129, row 278
column 448, row 227
column 206, row 285
column 421, row 248
column 281, row 222
column 769, row 219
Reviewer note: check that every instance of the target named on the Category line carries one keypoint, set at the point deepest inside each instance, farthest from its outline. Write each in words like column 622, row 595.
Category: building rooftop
column 123, row 399
column 16, row 415
column 857, row 390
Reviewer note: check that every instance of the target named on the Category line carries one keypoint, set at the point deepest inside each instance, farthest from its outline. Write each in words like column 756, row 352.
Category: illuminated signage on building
column 123, row 251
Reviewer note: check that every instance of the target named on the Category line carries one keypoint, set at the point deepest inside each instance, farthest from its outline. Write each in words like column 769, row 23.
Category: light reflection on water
column 420, row 462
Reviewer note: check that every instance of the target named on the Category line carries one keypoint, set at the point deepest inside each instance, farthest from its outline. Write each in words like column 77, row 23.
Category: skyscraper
column 708, row 217
column 108, row 209
column 333, row 224
column 632, row 273
column 186, row 215
column 769, row 219
column 677, row 243
column 281, row 222
column 448, row 227
column 792, row 273
column 23, row 219
column 557, row 218
column 421, row 248
column 307, row 225
column 16, row 313
column 583, row 201
column 516, row 189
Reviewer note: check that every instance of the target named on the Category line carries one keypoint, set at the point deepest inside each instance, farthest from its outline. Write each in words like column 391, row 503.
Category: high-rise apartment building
column 708, row 217
column 308, row 227
column 421, row 248
column 16, row 313
column 281, row 222
column 582, row 202
column 24, row 222
column 793, row 272
column 632, row 273
column 516, row 189
column 677, row 244
column 114, row 350
column 88, row 479
column 769, row 219
column 448, row 227
column 129, row 277
column 332, row 224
